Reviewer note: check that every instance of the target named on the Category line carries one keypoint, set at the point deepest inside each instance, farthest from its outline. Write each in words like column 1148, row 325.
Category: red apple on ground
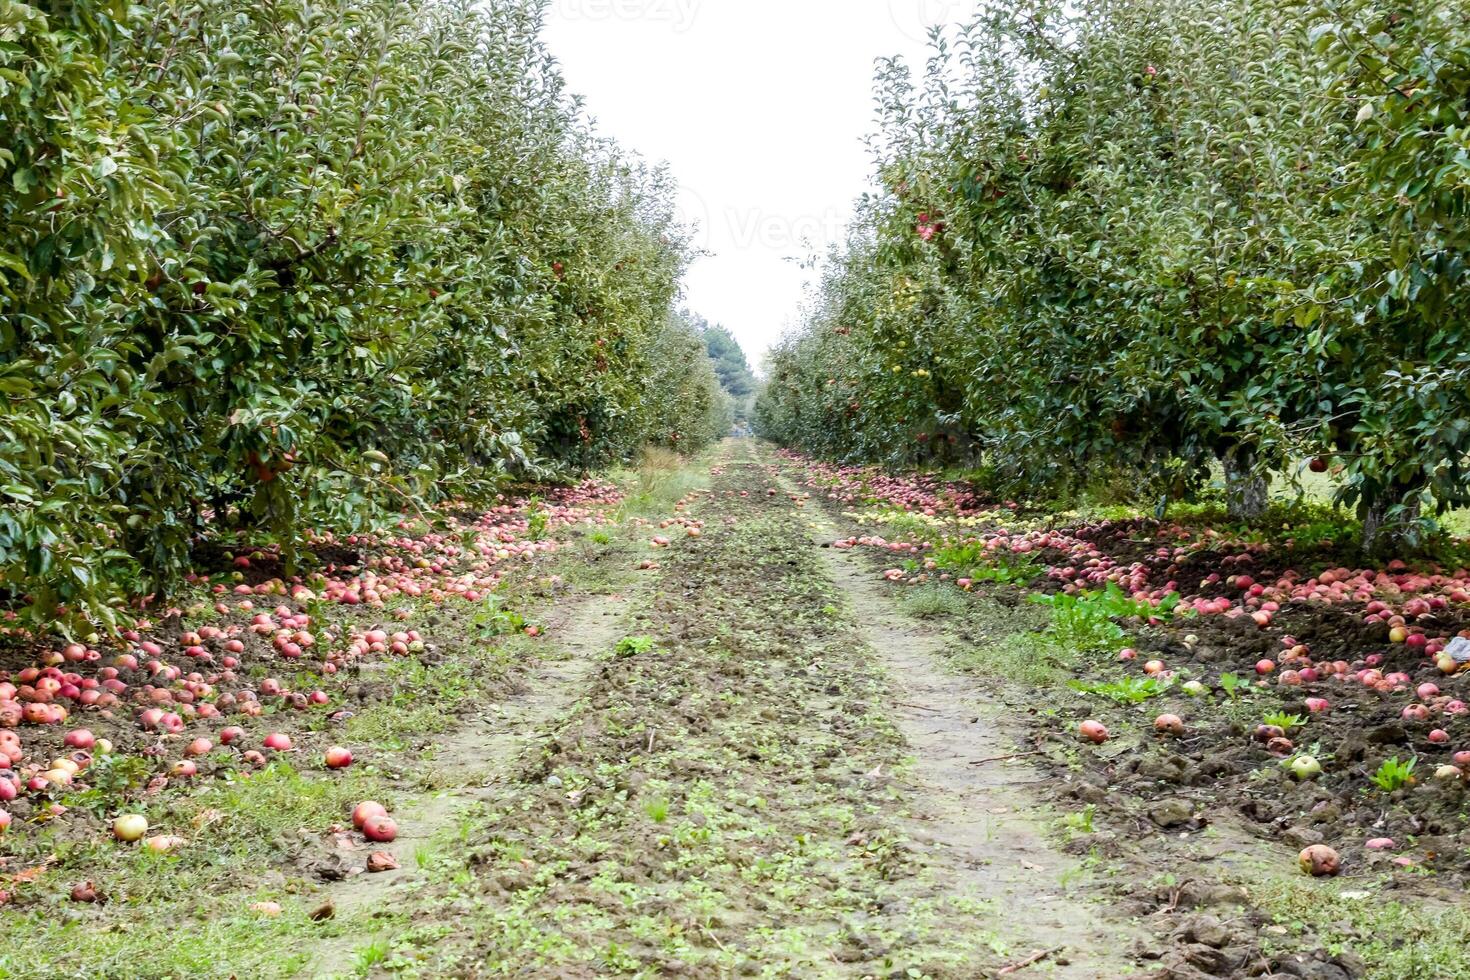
column 1319, row 861
column 380, row 829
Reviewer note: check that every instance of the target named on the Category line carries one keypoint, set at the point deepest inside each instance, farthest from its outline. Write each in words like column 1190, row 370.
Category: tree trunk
column 1247, row 494
column 1384, row 532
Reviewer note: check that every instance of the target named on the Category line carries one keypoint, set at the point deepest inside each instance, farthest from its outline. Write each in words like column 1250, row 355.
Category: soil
column 982, row 805
column 726, row 748
column 465, row 763
column 1216, row 806
column 752, row 792
column 265, row 564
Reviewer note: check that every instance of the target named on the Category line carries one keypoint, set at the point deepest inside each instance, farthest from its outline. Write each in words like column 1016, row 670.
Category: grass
column 373, row 954
column 1394, row 941
column 189, row 913
column 1033, row 659
column 197, row 901
column 692, row 790
column 930, row 601
column 1013, row 644
column 421, row 692
column 178, row 941
column 1319, row 488
column 659, row 480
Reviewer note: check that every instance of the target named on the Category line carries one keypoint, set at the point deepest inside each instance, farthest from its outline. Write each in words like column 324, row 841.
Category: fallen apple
column 366, row 810
column 380, row 828
column 130, row 827
column 1305, row 767
column 164, row 843
column 278, row 742
column 1319, row 861
column 1169, row 725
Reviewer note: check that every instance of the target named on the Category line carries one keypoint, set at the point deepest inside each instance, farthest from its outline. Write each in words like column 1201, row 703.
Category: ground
column 692, row 728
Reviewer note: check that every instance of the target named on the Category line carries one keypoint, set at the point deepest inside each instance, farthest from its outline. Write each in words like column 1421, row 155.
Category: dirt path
column 467, row 762
column 981, row 825
column 1181, row 892
column 741, row 792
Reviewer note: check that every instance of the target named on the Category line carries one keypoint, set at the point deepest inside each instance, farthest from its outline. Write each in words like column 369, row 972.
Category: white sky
column 760, row 108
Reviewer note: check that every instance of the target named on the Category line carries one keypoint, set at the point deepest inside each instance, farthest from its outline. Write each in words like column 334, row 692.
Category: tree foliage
column 730, row 363
column 733, row 370
column 1159, row 233
column 688, row 409
column 292, row 263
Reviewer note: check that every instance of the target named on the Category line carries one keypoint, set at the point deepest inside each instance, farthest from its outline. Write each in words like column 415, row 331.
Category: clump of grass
column 373, row 954
column 932, row 601
column 660, row 479
column 1030, row 658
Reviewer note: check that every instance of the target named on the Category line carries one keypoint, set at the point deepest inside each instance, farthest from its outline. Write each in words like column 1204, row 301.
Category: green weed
column 1394, row 774
column 1232, row 684
column 538, row 522
column 1395, row 941
column 1130, row 690
column 971, row 560
column 1087, row 620
column 1285, row 722
column 631, row 646
column 1082, row 821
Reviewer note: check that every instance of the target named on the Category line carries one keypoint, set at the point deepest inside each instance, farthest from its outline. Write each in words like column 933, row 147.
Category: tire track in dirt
column 978, row 823
column 724, row 802
column 471, row 760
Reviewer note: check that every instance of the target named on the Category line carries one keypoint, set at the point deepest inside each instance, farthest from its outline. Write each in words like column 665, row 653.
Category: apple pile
column 918, row 493
column 1393, row 653
column 189, row 698
column 373, row 820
